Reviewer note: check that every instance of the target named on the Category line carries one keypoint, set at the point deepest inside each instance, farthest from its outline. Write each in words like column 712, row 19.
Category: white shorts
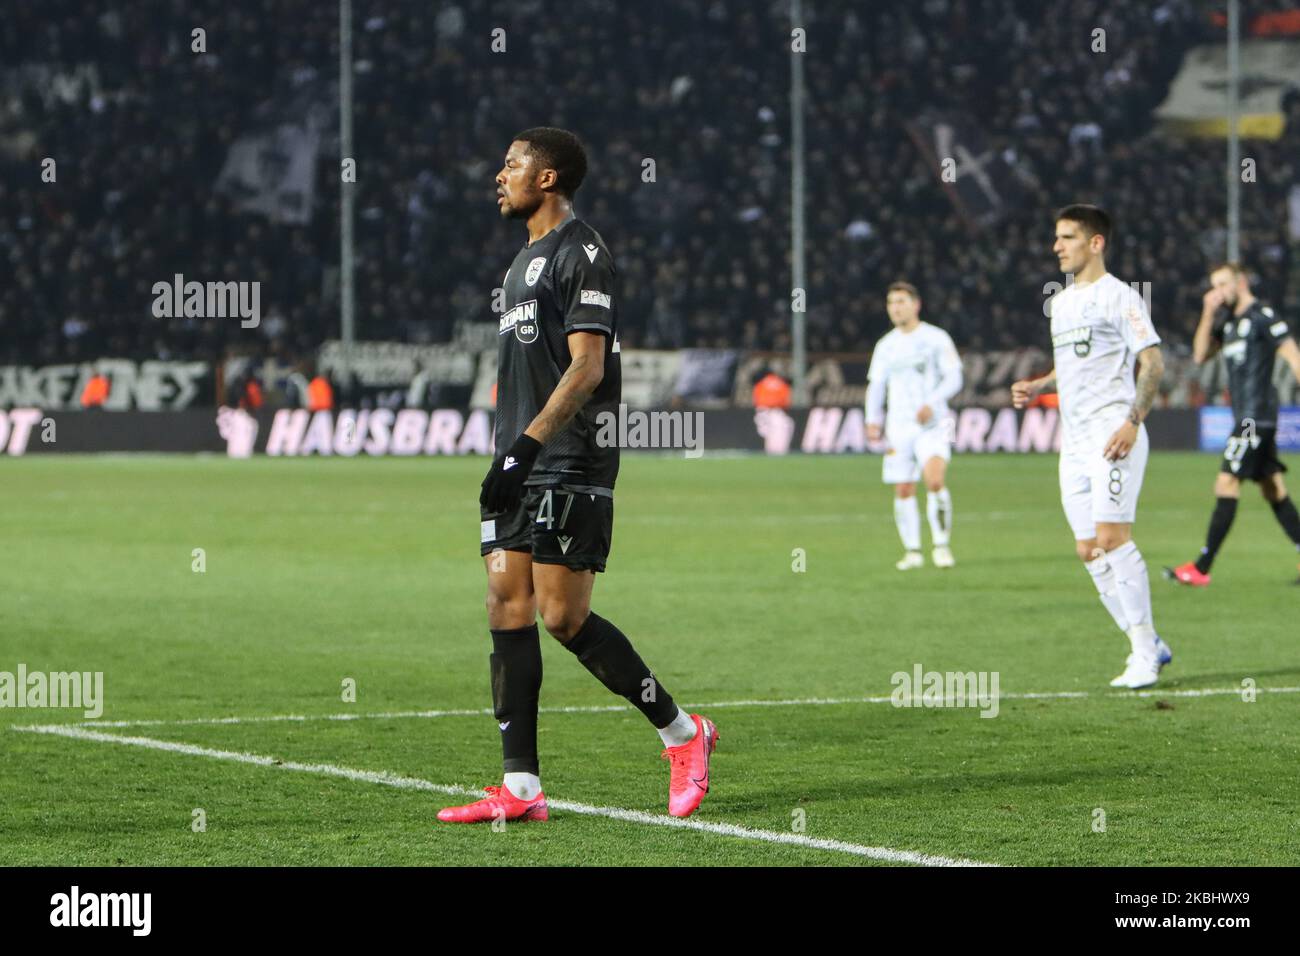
column 909, row 450
column 1094, row 489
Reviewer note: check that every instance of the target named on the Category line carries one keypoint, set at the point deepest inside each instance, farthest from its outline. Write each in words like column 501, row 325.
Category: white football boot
column 1140, row 670
column 942, row 557
column 910, row 560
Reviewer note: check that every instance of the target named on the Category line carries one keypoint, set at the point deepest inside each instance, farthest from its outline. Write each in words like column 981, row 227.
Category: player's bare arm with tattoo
column 1151, row 368
column 585, row 372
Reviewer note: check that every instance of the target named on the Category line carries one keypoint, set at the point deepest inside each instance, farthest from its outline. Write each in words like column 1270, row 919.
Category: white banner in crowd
column 399, row 364
column 1198, row 93
column 143, row 386
column 273, row 173
column 271, row 168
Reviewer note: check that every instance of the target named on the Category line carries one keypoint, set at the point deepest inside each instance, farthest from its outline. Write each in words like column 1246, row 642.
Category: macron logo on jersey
column 590, row 250
column 591, row 297
column 509, row 463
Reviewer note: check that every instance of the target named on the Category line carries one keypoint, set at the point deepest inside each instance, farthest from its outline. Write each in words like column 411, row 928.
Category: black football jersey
column 1250, row 342
column 564, row 282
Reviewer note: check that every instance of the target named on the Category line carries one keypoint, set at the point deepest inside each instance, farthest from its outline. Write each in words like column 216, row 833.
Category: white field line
column 412, row 783
column 695, row 708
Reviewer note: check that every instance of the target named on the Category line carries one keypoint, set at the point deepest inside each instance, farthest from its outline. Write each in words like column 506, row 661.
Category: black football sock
column 1288, row 519
column 516, row 683
column 1225, row 509
column 606, row 652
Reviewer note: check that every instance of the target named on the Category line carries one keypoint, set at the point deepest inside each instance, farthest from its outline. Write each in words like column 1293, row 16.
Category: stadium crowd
column 140, row 125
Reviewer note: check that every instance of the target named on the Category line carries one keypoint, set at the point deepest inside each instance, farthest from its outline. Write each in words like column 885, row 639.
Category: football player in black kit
column 1250, row 334
column 547, row 503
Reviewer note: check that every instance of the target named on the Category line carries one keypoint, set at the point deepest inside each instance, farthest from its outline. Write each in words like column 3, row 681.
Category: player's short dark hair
column 902, row 286
column 1094, row 220
column 560, row 150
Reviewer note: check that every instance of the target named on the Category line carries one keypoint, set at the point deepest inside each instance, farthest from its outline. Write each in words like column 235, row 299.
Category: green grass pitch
column 327, row 570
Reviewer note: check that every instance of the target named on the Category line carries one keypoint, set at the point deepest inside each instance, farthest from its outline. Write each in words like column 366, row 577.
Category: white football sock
column 680, row 731
column 1103, row 575
column 1142, row 639
column 1134, row 585
column 525, row 786
column 938, row 508
column 907, row 518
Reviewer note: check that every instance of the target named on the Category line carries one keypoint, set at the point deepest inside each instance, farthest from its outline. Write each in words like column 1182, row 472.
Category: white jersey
column 909, row 370
column 1097, row 331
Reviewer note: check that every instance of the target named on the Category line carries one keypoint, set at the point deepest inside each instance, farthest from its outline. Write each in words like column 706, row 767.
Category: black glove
column 503, row 488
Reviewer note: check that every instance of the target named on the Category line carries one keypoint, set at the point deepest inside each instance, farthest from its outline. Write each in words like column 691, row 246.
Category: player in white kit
column 1100, row 329
column 914, row 371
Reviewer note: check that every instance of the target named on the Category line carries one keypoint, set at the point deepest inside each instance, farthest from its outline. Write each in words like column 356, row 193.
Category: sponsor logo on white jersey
column 592, row 297
column 1080, row 338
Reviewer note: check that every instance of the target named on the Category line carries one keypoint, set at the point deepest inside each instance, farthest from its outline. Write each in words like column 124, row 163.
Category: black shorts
column 1251, row 453
column 558, row 524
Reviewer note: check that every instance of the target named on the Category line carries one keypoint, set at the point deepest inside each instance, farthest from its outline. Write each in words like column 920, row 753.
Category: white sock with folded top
column 525, row 786
column 680, row 731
